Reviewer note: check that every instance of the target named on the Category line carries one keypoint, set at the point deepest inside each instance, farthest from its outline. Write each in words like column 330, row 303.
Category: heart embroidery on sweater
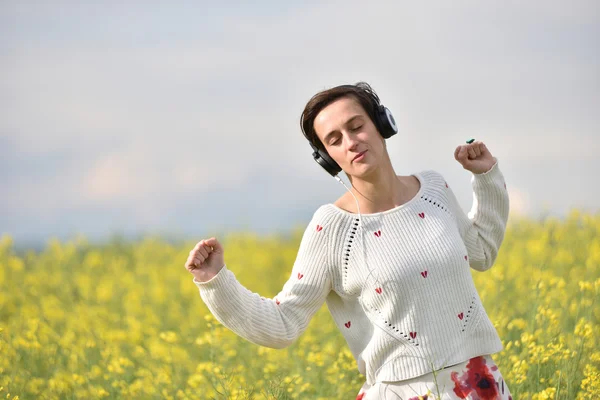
column 319, row 227
column 413, row 335
column 277, row 301
column 466, row 258
column 300, row 275
column 446, row 184
column 424, row 274
column 347, row 324
column 422, row 215
column 378, row 290
column 460, row 316
column 378, row 233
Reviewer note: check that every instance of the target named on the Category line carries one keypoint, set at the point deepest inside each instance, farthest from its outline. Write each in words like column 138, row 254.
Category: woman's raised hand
column 474, row 157
column 205, row 259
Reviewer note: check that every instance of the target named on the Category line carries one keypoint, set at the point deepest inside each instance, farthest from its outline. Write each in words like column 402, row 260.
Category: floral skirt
column 476, row 379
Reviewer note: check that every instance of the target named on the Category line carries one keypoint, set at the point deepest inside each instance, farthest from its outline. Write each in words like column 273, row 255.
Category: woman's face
column 346, row 131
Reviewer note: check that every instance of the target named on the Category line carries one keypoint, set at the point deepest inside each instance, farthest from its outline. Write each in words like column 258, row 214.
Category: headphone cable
column 362, row 237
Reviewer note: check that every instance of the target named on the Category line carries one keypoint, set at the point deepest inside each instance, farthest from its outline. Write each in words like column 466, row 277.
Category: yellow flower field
column 124, row 320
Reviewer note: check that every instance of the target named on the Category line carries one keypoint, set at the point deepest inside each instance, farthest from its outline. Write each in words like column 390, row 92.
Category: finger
column 463, row 158
column 477, row 149
column 189, row 264
column 190, row 258
column 203, row 245
column 199, row 245
column 194, row 259
column 214, row 243
column 203, row 251
column 208, row 248
column 199, row 259
column 472, row 154
column 456, row 153
column 463, row 154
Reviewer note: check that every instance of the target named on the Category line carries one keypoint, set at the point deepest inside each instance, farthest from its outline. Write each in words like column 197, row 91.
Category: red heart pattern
column 277, row 301
column 466, row 258
column 347, row 324
column 446, row 184
column 300, row 275
column 378, row 233
column 319, row 227
column 413, row 335
column 378, row 290
column 424, row 274
column 460, row 316
column 422, row 215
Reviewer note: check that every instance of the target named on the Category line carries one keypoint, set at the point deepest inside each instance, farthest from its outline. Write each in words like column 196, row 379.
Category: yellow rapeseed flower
column 99, row 321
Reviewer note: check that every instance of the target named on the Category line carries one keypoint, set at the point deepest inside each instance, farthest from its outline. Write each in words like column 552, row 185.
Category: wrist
column 486, row 169
column 204, row 276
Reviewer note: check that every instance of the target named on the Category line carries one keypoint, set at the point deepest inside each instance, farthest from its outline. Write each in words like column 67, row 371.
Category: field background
column 124, row 320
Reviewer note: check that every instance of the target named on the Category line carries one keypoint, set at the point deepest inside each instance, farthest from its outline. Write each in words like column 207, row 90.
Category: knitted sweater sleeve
column 482, row 230
column 276, row 322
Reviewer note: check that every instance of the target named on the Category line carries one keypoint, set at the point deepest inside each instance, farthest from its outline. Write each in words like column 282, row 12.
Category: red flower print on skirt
column 478, row 378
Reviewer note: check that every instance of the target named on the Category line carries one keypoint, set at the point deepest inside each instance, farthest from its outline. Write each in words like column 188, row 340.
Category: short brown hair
column 361, row 91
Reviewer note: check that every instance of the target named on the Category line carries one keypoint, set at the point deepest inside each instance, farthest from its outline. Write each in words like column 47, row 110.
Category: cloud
column 100, row 110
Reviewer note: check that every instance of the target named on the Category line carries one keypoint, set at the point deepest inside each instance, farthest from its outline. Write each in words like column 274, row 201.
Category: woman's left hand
column 475, row 157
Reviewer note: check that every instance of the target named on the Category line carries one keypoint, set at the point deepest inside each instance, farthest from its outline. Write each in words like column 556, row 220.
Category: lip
column 359, row 155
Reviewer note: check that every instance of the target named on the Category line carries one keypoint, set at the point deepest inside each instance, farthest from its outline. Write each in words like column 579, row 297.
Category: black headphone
column 384, row 122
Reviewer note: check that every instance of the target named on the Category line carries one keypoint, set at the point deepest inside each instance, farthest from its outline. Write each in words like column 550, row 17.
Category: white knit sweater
column 412, row 308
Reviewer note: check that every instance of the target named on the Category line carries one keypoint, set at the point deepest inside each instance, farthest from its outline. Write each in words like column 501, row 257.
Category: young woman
column 391, row 259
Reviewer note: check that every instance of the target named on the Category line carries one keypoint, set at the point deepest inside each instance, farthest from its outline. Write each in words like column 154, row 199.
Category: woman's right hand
column 205, row 259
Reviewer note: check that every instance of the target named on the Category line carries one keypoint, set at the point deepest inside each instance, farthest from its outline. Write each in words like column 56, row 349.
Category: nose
column 351, row 142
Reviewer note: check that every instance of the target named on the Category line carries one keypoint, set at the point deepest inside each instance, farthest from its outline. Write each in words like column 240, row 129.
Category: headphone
column 384, row 122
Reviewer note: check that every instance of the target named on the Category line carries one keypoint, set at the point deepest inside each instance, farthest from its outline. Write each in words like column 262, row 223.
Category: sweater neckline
column 391, row 210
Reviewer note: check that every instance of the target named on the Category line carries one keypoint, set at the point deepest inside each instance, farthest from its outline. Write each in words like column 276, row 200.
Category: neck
column 380, row 191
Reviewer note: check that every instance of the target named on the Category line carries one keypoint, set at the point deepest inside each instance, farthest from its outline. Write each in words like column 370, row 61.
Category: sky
column 181, row 119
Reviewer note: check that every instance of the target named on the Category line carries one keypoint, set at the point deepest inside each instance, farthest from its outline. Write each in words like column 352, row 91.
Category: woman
column 391, row 262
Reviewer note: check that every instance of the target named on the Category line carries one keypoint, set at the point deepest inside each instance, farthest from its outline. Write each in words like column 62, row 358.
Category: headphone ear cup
column 387, row 123
column 325, row 161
